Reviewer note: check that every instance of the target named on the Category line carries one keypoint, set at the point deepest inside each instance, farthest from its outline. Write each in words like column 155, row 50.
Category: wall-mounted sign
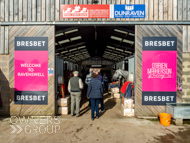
column 31, row 74
column 103, row 11
column 85, row 11
column 129, row 11
column 159, row 70
column 50, row 71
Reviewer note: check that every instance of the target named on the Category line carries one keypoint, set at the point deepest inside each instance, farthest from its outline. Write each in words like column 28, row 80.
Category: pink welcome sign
column 31, row 70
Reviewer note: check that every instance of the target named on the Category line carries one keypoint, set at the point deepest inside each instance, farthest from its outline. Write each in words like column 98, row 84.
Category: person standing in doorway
column 88, row 79
column 101, row 99
column 74, row 87
column 94, row 93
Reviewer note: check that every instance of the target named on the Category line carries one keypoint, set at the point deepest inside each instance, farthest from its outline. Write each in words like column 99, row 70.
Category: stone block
column 178, row 122
column 3, row 64
column 5, row 70
column 4, row 57
column 186, row 72
column 185, row 86
column 188, row 93
column 186, row 100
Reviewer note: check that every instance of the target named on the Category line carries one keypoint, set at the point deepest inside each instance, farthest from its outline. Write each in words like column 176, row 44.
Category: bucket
column 165, row 119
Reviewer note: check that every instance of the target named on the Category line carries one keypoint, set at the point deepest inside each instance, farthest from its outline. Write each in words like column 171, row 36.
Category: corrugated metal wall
column 50, row 10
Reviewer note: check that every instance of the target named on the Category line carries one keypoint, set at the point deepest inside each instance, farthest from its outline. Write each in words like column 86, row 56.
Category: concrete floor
column 111, row 127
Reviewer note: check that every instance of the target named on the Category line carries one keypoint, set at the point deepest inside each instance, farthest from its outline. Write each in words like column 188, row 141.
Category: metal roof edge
column 100, row 23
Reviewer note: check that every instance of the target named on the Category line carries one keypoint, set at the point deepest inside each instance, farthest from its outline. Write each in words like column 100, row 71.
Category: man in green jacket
column 74, row 87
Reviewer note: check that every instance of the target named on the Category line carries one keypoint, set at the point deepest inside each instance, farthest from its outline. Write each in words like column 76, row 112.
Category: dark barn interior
column 85, row 45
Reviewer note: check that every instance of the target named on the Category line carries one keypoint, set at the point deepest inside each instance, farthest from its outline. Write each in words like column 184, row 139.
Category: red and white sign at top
column 85, row 11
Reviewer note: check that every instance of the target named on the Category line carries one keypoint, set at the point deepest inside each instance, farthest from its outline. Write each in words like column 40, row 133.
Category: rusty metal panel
column 154, row 31
column 32, row 31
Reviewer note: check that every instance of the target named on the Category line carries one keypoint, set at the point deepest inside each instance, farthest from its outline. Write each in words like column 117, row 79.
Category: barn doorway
column 107, row 48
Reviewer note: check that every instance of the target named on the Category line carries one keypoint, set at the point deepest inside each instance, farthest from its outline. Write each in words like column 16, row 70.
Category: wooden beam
column 39, row 10
column 20, row 10
column 29, row 10
column 11, row 17
column 57, row 10
column 2, row 9
column 48, row 10
column 180, row 8
column 25, row 8
column 161, row 10
column 2, row 36
column 6, row 10
column 52, row 17
column 174, row 10
column 6, row 39
column 43, row 10
column 34, row 5
column 155, row 10
column 16, row 10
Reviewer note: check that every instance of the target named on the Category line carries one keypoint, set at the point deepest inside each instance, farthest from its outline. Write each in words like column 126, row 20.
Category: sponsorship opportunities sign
column 85, row 11
column 129, row 11
column 31, row 70
column 159, row 70
column 103, row 11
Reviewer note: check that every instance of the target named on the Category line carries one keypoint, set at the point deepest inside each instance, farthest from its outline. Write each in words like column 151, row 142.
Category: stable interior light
column 131, row 34
column 64, row 41
column 110, row 47
column 116, row 38
column 81, row 47
column 119, row 49
column 73, row 49
column 71, row 31
column 96, row 65
column 59, row 34
column 76, row 38
column 127, row 52
column 120, row 31
column 128, row 41
column 64, row 52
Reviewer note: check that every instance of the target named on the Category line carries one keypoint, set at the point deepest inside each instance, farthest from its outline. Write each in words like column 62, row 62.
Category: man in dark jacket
column 94, row 93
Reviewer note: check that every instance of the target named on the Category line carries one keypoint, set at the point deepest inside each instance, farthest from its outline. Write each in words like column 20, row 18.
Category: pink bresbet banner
column 159, row 70
column 31, row 72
